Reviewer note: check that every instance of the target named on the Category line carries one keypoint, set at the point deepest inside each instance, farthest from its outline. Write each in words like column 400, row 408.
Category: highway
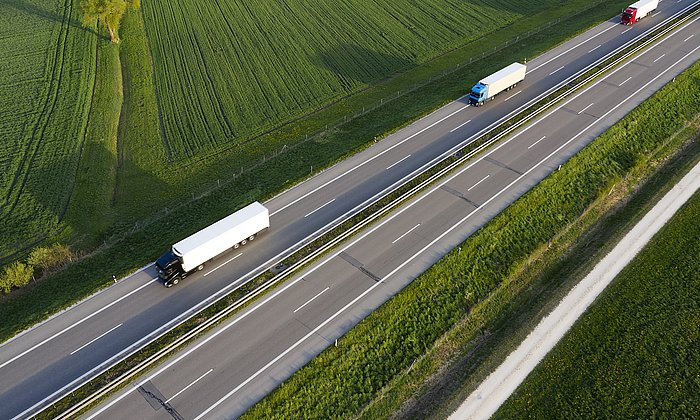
column 307, row 312
column 242, row 360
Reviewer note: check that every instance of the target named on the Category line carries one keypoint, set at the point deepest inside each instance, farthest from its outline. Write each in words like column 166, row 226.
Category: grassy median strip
column 343, row 380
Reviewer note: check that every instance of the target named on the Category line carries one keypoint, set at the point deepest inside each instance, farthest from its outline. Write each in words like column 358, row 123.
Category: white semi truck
column 496, row 83
column 636, row 11
column 190, row 254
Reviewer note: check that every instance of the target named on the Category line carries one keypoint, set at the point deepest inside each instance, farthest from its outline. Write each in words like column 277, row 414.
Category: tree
column 16, row 274
column 47, row 258
column 108, row 12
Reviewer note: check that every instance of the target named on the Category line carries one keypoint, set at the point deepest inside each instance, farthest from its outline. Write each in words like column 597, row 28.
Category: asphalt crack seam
column 167, row 407
column 347, row 257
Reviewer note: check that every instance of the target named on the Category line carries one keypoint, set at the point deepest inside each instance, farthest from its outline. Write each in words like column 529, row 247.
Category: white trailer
column 191, row 253
column 496, row 83
column 638, row 10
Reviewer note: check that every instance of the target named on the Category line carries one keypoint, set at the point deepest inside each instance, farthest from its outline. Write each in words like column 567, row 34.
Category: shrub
column 47, row 258
column 16, row 274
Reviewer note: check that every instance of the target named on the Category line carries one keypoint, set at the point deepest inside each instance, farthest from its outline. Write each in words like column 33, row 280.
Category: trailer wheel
column 200, row 267
column 251, row 237
column 236, row 246
column 243, row 242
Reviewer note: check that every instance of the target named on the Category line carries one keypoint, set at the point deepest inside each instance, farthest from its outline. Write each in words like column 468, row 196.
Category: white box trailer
column 191, row 253
column 496, row 83
column 635, row 11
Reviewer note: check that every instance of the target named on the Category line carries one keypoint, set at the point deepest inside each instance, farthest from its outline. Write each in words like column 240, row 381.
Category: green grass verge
column 132, row 245
column 344, row 379
column 636, row 351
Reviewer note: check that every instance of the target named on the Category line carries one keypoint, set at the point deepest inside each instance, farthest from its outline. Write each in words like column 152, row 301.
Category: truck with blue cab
column 504, row 79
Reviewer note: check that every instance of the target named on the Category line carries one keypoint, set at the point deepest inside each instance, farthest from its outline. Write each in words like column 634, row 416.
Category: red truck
column 635, row 11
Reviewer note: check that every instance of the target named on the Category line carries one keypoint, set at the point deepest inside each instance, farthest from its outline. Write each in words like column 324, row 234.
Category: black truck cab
column 169, row 268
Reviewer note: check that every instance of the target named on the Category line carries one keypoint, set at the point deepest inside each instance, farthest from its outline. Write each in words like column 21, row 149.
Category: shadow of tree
column 32, row 9
column 353, row 62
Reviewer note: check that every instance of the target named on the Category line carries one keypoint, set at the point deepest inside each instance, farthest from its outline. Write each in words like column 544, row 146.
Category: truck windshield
column 166, row 260
column 626, row 15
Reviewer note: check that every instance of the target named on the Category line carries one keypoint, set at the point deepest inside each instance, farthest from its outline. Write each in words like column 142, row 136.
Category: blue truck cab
column 478, row 94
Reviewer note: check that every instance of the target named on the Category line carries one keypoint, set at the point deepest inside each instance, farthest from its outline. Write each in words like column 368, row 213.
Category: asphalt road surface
column 223, row 374
column 56, row 356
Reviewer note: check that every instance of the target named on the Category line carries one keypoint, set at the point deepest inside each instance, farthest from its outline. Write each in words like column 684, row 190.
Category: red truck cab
column 629, row 16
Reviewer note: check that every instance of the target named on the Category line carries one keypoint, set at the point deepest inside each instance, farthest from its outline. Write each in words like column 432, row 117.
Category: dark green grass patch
column 89, row 213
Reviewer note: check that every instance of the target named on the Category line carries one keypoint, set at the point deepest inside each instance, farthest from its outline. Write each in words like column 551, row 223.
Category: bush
column 47, row 258
column 16, row 274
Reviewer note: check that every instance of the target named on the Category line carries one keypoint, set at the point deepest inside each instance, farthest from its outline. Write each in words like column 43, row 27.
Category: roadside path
column 499, row 385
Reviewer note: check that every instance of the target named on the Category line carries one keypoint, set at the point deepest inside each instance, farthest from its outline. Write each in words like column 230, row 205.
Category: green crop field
column 202, row 80
column 636, row 351
column 226, row 70
column 46, row 79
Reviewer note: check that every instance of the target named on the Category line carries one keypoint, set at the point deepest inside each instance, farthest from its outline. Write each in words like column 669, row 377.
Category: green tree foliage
column 16, row 274
column 49, row 257
column 108, row 12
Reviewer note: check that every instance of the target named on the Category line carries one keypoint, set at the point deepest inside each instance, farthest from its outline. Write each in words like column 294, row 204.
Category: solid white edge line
column 75, row 324
column 221, row 265
column 309, row 214
column 188, row 386
column 311, row 300
column 409, row 231
column 396, row 163
column 359, row 238
column 482, row 180
column 95, row 339
column 366, row 161
column 533, row 144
